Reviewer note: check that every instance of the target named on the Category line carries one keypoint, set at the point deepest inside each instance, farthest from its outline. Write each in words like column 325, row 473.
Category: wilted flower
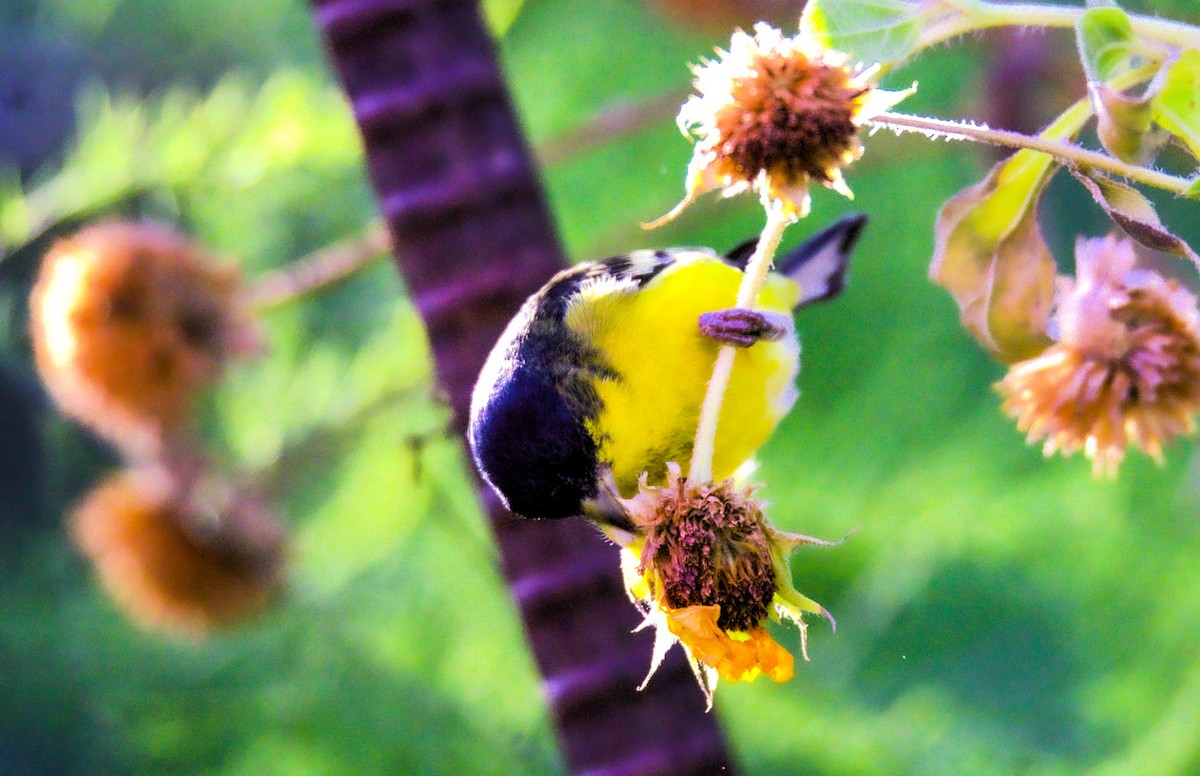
column 1125, row 369
column 709, row 572
column 129, row 321
column 180, row 556
column 773, row 112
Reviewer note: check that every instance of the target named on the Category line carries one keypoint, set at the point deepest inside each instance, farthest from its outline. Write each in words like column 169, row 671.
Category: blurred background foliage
column 997, row 612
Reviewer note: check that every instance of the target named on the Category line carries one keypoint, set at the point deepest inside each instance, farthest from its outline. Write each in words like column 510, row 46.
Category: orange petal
column 736, row 657
column 775, row 661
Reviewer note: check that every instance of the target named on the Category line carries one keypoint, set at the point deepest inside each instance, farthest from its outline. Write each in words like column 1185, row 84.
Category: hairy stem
column 1067, row 153
column 701, row 469
column 982, row 15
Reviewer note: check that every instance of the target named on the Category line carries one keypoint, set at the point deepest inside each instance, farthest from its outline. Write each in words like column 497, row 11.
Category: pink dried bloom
column 1125, row 369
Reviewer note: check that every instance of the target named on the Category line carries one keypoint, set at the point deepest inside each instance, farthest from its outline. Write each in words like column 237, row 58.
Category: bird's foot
column 742, row 328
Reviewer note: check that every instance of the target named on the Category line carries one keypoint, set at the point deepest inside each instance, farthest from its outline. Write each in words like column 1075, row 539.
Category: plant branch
column 321, row 268
column 1067, row 153
column 611, row 123
column 983, row 15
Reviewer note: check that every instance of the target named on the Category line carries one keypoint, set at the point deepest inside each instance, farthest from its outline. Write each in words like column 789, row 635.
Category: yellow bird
column 607, row 364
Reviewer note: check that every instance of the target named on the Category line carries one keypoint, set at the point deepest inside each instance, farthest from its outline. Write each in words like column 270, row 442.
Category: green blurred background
column 997, row 612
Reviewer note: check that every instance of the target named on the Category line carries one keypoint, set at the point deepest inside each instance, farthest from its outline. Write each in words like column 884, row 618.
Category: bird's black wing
column 818, row 264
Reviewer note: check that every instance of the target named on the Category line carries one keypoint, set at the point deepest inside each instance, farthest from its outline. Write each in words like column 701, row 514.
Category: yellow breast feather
column 662, row 364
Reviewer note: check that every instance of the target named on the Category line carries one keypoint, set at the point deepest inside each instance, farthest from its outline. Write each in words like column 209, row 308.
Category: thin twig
column 978, row 16
column 701, row 469
column 613, row 122
column 1068, row 153
column 320, row 269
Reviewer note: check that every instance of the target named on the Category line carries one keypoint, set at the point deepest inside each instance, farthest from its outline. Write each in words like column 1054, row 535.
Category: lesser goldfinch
column 605, row 367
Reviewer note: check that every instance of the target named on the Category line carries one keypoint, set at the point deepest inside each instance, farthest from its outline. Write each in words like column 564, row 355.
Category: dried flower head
column 1125, row 369
column 180, row 557
column 773, row 112
column 709, row 571
column 129, row 321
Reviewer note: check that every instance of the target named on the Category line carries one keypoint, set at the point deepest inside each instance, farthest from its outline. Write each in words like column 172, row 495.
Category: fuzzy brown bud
column 128, row 322
column 180, row 560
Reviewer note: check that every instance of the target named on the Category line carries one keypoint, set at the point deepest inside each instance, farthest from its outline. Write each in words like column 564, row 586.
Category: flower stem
column 320, row 269
column 701, row 469
column 706, row 430
column 981, row 15
column 1065, row 152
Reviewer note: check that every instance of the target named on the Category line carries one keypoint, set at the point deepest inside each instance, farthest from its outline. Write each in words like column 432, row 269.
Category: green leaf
column 991, row 257
column 1110, row 49
column 1177, row 104
column 884, row 31
column 1134, row 213
column 1107, row 44
column 1193, row 190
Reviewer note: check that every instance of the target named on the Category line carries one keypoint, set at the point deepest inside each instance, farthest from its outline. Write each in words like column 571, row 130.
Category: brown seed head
column 789, row 114
column 773, row 112
column 179, row 562
column 1126, row 369
column 706, row 545
column 128, row 322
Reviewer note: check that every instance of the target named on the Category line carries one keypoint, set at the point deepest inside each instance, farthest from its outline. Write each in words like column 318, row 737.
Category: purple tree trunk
column 472, row 237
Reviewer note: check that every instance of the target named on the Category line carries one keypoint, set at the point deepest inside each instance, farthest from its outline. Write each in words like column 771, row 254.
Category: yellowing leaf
column 991, row 257
column 1177, row 105
column 1135, row 214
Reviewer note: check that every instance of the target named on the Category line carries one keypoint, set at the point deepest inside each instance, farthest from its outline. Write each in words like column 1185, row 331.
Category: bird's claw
column 742, row 328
